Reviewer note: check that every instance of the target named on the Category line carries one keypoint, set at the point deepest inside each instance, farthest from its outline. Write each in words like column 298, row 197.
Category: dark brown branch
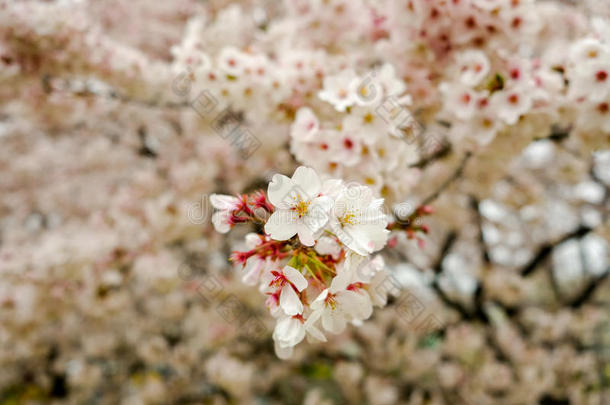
column 557, row 134
column 474, row 205
column 448, row 301
column 438, row 267
column 447, row 245
column 456, row 175
column 546, row 249
column 589, row 290
column 439, row 154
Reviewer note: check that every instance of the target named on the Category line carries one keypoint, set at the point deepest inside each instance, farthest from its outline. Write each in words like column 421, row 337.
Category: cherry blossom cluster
column 368, row 135
column 401, row 78
column 588, row 70
column 487, row 97
column 314, row 259
column 107, row 154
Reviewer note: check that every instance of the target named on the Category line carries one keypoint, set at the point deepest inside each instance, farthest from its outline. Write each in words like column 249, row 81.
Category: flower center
column 348, row 219
column 279, row 279
column 330, row 301
column 301, row 206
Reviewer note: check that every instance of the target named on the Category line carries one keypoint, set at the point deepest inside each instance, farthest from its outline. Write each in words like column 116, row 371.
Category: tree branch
column 589, row 290
column 547, row 248
column 456, row 175
column 439, row 154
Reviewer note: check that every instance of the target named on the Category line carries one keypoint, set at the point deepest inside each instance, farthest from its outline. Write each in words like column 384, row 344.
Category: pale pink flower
column 342, row 302
column 358, row 220
column 285, row 285
column 305, row 125
column 339, row 90
column 473, row 66
column 300, row 209
column 511, row 104
column 225, row 204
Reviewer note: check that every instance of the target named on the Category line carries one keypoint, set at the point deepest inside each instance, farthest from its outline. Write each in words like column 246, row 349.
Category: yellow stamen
column 331, row 302
column 301, row 206
column 348, row 218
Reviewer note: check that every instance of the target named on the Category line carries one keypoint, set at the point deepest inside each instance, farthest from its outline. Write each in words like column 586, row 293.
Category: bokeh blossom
column 304, row 201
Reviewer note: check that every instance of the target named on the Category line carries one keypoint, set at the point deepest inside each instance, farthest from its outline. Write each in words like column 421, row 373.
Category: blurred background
column 115, row 288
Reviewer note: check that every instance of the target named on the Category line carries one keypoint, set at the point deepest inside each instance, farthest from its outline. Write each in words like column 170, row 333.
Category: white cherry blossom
column 305, row 125
column 285, row 284
column 339, row 90
column 511, row 103
column 473, row 66
column 291, row 330
column 358, row 220
column 300, row 209
column 225, row 204
column 341, row 303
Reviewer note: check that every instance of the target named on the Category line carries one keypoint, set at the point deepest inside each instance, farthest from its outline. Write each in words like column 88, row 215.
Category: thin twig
column 456, row 175
column 439, row 154
column 474, row 205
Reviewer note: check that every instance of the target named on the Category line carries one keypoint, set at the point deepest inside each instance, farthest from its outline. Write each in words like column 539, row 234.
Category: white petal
column 328, row 246
column 314, row 223
column 359, row 196
column 281, row 329
column 323, row 202
column 358, row 304
column 252, row 240
column 311, row 328
column 220, row 220
column 332, row 187
column 290, row 301
column 283, row 353
column 279, row 190
column 224, row 202
column 365, row 270
column 365, row 239
column 355, row 240
column 379, row 236
column 341, row 280
column 295, row 277
column 333, row 320
column 378, row 290
column 315, row 335
column 318, row 303
column 307, row 179
column 305, row 235
column 282, row 225
column 318, row 213
column 377, row 204
column 253, row 271
column 305, row 125
column 288, row 332
column 297, row 335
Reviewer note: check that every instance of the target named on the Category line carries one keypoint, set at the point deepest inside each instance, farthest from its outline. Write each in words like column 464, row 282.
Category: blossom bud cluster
column 314, row 260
